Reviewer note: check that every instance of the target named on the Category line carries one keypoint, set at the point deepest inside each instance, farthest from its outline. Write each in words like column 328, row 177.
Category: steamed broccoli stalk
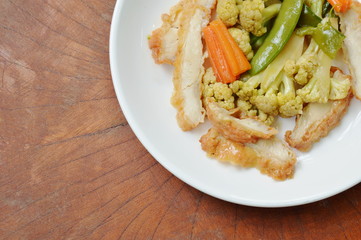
column 253, row 15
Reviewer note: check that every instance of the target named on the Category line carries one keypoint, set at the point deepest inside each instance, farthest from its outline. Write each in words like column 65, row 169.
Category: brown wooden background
column 70, row 166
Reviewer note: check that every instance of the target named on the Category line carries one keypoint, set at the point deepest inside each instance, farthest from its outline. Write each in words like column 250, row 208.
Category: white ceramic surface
column 144, row 90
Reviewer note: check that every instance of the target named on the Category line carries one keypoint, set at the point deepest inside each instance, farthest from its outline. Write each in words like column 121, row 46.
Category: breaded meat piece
column 351, row 28
column 317, row 120
column 240, row 130
column 271, row 156
column 164, row 40
column 277, row 159
column 188, row 65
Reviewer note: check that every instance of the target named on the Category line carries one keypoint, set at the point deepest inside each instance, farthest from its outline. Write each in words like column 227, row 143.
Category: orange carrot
column 340, row 5
column 234, row 55
column 218, row 60
column 226, row 49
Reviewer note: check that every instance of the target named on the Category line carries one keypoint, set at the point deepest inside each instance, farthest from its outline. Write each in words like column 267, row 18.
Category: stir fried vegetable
column 308, row 18
column 340, row 5
column 328, row 38
column 282, row 30
column 228, row 60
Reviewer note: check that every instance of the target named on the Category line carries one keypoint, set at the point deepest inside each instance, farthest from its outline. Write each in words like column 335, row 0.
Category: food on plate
column 253, row 15
column 317, row 120
column 255, row 61
column 278, row 36
column 241, row 130
column 351, row 27
column 340, row 5
column 227, row 12
column 243, row 40
column 188, row 63
column 271, row 156
column 164, row 40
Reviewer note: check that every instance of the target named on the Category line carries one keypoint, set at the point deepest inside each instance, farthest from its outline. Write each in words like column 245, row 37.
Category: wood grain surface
column 70, row 166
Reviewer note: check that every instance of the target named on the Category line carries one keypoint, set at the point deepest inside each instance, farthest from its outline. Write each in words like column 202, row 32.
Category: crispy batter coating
column 351, row 28
column 226, row 150
column 271, row 156
column 239, row 130
column 164, row 40
column 317, row 120
column 188, row 72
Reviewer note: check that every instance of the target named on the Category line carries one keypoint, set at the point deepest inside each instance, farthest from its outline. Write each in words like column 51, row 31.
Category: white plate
column 144, row 90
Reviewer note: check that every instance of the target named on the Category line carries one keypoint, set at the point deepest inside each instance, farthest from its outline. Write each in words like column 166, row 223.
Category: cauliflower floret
column 249, row 110
column 228, row 11
column 302, row 70
column 289, row 105
column 340, row 86
column 235, row 95
column 290, row 67
column 305, row 67
column 250, row 16
column 246, row 108
column 242, row 38
column 246, row 90
column 223, row 95
column 220, row 92
column 267, row 103
column 318, row 87
column 209, row 79
column 266, row 118
column 236, row 86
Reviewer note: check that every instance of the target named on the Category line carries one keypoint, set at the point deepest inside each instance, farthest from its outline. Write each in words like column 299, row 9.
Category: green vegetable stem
column 308, row 18
column 280, row 33
column 328, row 38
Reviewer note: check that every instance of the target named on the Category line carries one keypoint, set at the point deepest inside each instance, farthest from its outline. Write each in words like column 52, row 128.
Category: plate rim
column 179, row 173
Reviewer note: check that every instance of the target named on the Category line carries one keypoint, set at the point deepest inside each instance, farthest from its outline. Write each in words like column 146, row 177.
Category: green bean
column 279, row 35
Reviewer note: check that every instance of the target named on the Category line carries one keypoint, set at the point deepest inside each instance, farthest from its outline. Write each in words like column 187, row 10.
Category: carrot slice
column 226, row 48
column 218, row 60
column 340, row 5
column 234, row 54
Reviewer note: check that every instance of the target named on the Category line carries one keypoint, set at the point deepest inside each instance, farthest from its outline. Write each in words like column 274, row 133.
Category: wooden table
column 70, row 166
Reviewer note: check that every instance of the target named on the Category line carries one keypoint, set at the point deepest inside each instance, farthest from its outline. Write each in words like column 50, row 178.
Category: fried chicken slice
column 271, row 156
column 239, row 130
column 188, row 65
column 317, row 120
column 164, row 40
column 351, row 28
